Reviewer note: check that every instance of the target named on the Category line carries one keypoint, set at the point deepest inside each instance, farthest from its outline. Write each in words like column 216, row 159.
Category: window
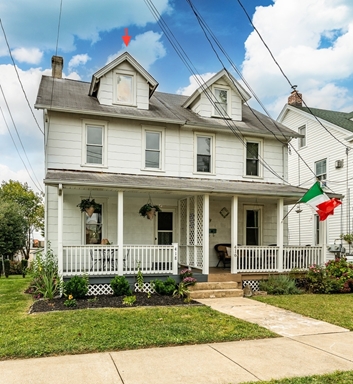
column 124, row 89
column 302, row 140
column 165, row 228
column 93, row 226
column 221, row 103
column 94, row 144
column 252, row 227
column 252, row 159
column 204, row 152
column 153, row 150
column 320, row 171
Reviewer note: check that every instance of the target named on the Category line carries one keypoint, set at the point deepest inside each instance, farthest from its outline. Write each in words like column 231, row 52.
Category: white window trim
column 260, row 156
column 213, row 153
column 253, row 208
column 134, row 86
column 98, row 123
column 224, row 88
column 161, row 131
column 324, row 181
column 299, row 138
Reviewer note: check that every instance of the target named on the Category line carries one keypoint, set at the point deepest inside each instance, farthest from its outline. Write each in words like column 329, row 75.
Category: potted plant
column 88, row 205
column 149, row 210
column 348, row 237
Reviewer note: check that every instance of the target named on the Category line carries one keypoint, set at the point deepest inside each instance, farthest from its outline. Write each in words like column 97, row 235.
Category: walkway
column 308, row 347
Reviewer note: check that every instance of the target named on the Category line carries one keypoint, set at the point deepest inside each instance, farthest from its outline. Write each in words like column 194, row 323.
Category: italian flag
column 320, row 202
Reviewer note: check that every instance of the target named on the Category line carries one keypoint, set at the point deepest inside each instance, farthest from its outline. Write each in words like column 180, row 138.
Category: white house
column 324, row 153
column 211, row 163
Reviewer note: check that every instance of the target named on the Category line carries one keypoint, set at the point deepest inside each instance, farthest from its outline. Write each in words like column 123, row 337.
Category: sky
column 311, row 40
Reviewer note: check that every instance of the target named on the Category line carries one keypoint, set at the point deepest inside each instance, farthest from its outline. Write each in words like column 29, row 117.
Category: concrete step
column 214, row 285
column 213, row 293
column 224, row 277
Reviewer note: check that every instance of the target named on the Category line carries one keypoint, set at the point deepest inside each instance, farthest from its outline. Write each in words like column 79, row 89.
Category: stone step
column 214, row 285
column 213, row 293
column 224, row 277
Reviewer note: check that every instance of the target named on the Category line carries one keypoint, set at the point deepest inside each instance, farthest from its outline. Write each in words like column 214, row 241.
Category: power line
column 19, row 79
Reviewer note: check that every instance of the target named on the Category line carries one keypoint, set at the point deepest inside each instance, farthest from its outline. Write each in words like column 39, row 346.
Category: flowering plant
column 185, row 273
column 70, row 302
column 189, row 280
column 186, row 277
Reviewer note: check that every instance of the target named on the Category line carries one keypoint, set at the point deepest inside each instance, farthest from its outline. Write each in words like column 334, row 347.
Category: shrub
column 186, row 277
column 120, row 286
column 166, row 287
column 24, row 265
column 7, row 267
column 279, row 285
column 15, row 268
column 77, row 286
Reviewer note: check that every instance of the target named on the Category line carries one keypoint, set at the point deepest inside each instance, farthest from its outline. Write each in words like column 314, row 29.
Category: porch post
column 234, row 233
column 60, row 228
column 120, row 232
column 324, row 241
column 175, row 258
column 280, row 226
column 206, row 237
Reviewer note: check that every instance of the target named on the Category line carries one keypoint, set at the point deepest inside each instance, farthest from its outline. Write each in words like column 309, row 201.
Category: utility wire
column 18, row 76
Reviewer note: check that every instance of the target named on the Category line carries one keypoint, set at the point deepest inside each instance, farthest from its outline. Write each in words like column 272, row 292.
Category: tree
column 13, row 230
column 30, row 206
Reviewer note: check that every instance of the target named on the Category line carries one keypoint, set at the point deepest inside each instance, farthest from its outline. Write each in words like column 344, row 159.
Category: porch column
column 324, row 241
column 280, row 206
column 60, row 228
column 206, row 236
column 120, row 232
column 234, row 233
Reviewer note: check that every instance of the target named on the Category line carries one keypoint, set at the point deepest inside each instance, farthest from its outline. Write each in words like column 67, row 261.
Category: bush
column 77, row 286
column 120, row 286
column 166, row 287
column 187, row 278
column 15, row 268
column 24, row 265
column 279, row 285
column 7, row 267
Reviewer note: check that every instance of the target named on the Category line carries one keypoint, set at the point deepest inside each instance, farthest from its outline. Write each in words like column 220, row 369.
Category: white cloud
column 19, row 175
column 194, row 83
column 145, row 48
column 27, row 55
column 312, row 40
column 78, row 60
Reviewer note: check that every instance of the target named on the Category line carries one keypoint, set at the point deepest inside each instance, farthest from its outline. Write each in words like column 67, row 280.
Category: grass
column 335, row 309
column 98, row 330
column 332, row 378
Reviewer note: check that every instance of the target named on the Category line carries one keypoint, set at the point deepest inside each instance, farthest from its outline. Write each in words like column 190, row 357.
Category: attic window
column 124, row 89
column 221, row 103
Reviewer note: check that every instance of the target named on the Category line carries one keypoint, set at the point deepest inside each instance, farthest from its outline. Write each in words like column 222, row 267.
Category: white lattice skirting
column 106, row 289
column 254, row 284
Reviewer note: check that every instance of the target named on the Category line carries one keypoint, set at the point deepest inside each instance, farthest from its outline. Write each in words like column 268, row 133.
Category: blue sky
column 311, row 39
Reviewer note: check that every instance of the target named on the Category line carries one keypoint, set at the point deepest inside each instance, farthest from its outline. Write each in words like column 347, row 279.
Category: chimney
column 295, row 99
column 57, row 63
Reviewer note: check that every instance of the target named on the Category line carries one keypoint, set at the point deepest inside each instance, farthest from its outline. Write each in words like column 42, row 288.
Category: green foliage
column 147, row 207
column 348, row 237
column 182, row 290
column 187, row 278
column 46, row 281
column 129, row 300
column 7, row 267
column 120, row 286
column 77, row 286
column 279, row 285
column 15, row 268
column 24, row 265
column 166, row 287
column 70, row 302
column 139, row 278
column 87, row 203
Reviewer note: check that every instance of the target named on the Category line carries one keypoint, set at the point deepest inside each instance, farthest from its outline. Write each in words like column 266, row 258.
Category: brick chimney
column 295, row 99
column 57, row 64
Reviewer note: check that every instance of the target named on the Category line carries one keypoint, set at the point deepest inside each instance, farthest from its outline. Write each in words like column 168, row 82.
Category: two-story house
column 210, row 162
column 323, row 152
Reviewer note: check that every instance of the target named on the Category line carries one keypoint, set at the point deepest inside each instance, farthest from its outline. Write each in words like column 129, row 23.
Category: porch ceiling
column 291, row 194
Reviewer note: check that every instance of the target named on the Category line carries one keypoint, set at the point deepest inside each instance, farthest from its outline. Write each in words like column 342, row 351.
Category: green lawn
column 335, row 309
column 97, row 330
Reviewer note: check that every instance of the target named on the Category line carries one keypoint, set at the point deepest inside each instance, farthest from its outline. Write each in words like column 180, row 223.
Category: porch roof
column 290, row 193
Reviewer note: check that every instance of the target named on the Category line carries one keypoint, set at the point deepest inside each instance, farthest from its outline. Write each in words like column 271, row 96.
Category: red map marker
column 126, row 38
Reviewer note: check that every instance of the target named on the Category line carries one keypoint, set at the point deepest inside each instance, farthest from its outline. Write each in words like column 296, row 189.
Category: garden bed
column 108, row 301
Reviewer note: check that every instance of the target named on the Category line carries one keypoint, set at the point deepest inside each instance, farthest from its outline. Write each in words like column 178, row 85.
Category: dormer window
column 221, row 103
column 124, row 88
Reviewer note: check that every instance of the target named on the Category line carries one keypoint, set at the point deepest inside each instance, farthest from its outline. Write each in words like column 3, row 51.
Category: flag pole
column 290, row 210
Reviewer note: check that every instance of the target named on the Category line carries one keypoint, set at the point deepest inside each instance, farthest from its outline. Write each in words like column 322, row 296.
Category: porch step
column 224, row 277
column 215, row 289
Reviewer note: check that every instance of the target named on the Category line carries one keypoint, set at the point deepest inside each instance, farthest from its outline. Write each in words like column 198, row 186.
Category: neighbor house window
column 124, row 88
column 320, row 171
column 153, row 150
column 252, row 159
column 204, row 153
column 94, row 144
column 302, row 140
column 221, row 103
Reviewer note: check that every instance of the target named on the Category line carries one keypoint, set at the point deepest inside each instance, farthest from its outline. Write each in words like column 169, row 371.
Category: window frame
column 259, row 156
column 302, row 140
column 319, row 176
column 161, row 131
column 104, row 126
column 212, row 154
column 260, row 210
column 214, row 110
column 122, row 72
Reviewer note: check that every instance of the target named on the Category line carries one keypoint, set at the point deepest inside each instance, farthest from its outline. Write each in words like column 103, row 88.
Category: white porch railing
column 102, row 260
column 266, row 259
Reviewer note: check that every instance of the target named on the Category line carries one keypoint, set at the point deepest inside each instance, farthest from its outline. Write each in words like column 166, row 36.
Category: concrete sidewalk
column 320, row 348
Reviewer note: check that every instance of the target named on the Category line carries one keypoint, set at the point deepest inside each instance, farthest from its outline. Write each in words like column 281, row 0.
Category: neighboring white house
column 119, row 141
column 325, row 148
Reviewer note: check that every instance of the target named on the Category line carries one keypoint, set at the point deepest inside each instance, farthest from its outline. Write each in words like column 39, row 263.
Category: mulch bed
column 108, row 301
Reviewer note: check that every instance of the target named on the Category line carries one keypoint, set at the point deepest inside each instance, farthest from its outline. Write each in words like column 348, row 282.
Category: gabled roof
column 153, row 84
column 232, row 82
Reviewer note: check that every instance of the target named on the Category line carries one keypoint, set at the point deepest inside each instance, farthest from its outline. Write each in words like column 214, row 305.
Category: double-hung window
column 204, row 148
column 94, row 144
column 320, row 171
column 221, row 102
column 153, row 149
column 252, row 158
column 302, row 140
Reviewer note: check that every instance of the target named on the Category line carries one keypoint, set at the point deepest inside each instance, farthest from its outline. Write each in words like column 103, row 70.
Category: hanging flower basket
column 149, row 210
column 88, row 205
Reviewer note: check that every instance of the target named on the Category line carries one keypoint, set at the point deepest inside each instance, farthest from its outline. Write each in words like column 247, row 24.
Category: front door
column 253, row 226
column 165, row 228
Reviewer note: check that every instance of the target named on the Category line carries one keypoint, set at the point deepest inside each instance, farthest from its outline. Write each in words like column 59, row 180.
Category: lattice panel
column 147, row 288
column 199, row 220
column 191, row 256
column 182, row 255
column 183, row 221
column 199, row 257
column 254, row 284
column 99, row 289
